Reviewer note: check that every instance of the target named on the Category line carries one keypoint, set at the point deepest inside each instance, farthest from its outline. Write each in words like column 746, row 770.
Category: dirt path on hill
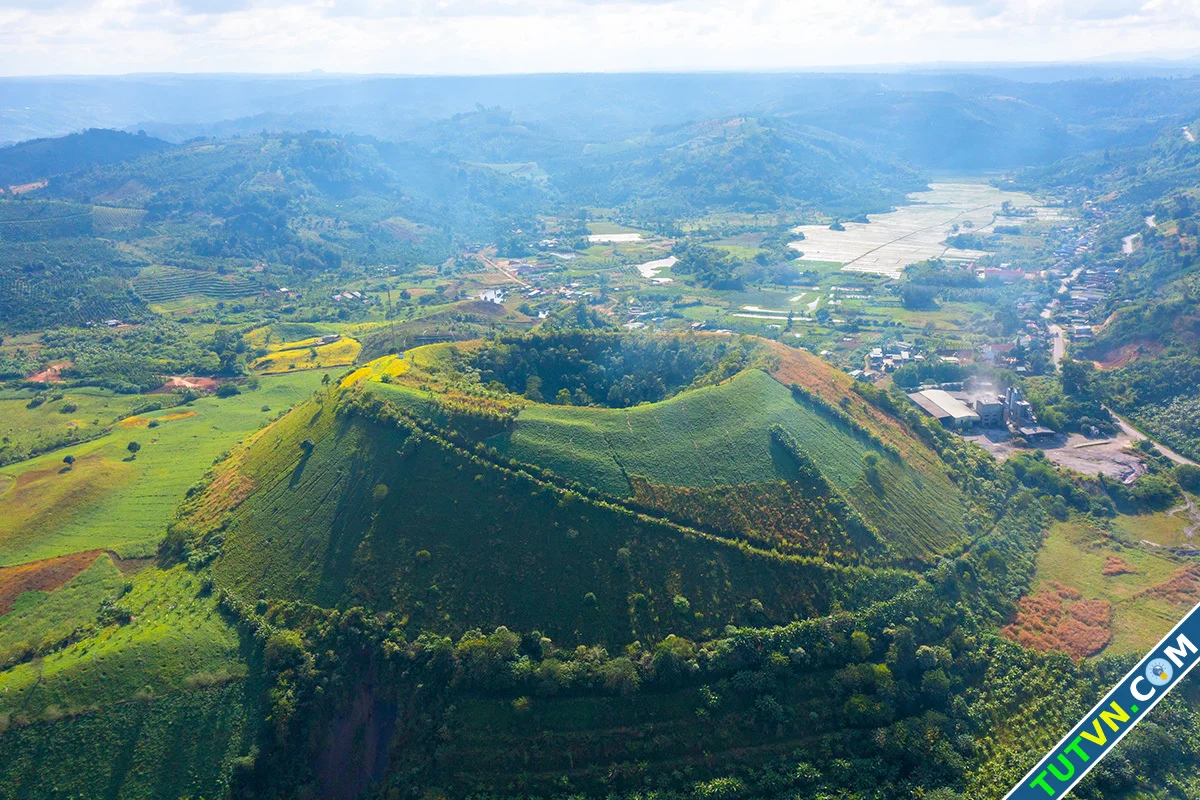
column 1189, row 508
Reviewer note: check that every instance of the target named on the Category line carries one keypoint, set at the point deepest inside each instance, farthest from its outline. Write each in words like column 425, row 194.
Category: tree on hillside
column 133, row 448
column 1076, row 376
column 69, row 460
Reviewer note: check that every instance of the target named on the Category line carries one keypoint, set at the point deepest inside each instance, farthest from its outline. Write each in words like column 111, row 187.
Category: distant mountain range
column 995, row 118
column 40, row 158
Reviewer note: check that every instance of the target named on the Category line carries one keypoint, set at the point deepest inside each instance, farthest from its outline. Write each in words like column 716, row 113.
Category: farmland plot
column 911, row 233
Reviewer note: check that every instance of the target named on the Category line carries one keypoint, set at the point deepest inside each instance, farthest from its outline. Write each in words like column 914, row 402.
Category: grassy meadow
column 175, row 639
column 63, row 415
column 1075, row 555
column 108, row 500
column 170, row 746
column 308, row 354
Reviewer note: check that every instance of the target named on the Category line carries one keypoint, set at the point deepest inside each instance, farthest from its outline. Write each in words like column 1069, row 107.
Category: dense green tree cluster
column 612, row 369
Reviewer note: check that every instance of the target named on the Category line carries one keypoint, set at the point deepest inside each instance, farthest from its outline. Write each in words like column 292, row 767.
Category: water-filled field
column 914, row 232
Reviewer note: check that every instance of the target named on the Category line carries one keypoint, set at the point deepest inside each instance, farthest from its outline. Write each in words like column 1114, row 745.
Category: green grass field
column 1074, row 555
column 175, row 746
column 107, row 501
column 709, row 437
column 175, row 640
column 1160, row 528
column 40, row 620
column 719, row 436
column 24, row 429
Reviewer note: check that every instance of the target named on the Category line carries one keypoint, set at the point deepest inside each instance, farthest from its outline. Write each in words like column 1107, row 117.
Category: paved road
column 1135, row 434
column 1060, row 344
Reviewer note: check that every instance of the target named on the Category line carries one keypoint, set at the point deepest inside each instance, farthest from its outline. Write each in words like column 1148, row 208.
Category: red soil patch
column 1182, row 587
column 51, row 374
column 1120, row 356
column 29, row 187
column 42, row 576
column 1115, row 565
column 1057, row 618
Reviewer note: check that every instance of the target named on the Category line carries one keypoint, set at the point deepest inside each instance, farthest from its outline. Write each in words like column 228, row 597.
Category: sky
column 41, row 37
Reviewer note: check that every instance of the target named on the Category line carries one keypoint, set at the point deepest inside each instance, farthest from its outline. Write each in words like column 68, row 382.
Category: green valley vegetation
column 561, row 448
column 521, row 597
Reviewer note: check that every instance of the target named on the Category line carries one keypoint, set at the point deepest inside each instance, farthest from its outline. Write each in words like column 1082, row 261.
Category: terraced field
column 166, row 284
column 106, row 219
column 39, row 221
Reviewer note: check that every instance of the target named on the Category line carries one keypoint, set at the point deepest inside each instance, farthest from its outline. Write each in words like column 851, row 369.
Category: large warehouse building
column 945, row 408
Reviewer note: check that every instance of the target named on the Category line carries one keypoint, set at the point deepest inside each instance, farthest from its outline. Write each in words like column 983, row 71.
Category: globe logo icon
column 1159, row 672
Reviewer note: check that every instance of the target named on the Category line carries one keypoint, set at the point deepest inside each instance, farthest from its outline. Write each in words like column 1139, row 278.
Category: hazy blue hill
column 43, row 158
column 256, row 184
column 743, row 162
column 1163, row 162
column 1016, row 116
column 1019, row 116
column 944, row 130
column 496, row 135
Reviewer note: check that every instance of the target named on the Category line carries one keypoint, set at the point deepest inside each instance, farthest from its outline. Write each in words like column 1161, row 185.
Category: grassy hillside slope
column 344, row 503
column 718, row 436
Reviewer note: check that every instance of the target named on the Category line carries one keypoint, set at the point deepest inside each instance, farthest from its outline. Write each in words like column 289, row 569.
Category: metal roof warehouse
column 945, row 408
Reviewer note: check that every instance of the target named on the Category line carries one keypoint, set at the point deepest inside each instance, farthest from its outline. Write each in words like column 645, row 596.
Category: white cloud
column 488, row 36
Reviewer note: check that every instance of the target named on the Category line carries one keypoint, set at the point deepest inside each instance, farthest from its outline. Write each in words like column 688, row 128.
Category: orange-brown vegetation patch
column 1182, row 587
column 141, row 422
column 226, row 492
column 810, row 372
column 1115, row 565
column 51, row 374
column 42, row 576
column 1056, row 617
